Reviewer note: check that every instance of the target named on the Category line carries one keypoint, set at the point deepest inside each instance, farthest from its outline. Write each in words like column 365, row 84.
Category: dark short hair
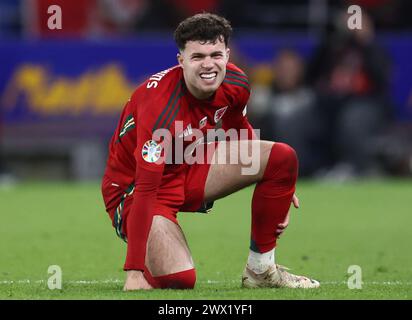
column 204, row 27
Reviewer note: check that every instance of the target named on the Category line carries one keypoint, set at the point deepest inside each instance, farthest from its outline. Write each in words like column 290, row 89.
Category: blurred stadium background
column 342, row 98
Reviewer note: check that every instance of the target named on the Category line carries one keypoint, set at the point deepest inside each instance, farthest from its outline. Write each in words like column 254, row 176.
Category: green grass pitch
column 368, row 224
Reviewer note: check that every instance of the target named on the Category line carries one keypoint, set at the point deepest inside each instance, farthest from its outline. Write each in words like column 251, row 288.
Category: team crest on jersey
column 151, row 151
column 219, row 113
column 202, row 122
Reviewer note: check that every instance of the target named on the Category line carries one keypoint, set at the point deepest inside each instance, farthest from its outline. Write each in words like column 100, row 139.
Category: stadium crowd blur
column 332, row 106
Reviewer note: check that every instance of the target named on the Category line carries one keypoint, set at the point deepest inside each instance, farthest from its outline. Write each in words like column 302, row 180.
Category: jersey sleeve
column 240, row 92
column 149, row 155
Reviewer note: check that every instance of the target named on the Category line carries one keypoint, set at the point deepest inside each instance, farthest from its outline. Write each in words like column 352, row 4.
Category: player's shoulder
column 164, row 80
column 159, row 86
column 236, row 79
column 156, row 99
column 231, row 67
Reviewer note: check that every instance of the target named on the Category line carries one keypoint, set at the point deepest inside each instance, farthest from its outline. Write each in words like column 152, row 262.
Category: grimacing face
column 204, row 66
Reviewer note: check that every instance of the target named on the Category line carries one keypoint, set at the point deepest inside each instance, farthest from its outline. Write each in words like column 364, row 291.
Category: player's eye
column 197, row 57
column 217, row 54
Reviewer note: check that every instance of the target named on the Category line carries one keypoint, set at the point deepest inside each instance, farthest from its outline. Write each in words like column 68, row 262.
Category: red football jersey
column 137, row 158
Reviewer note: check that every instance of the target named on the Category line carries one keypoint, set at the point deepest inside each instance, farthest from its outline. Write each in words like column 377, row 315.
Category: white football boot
column 276, row 277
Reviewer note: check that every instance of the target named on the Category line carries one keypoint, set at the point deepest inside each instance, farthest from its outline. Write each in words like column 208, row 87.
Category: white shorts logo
column 151, row 151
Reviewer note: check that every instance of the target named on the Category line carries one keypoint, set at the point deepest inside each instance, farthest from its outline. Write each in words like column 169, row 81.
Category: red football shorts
column 183, row 191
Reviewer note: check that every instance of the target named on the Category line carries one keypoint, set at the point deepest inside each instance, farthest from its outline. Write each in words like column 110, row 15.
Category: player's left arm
column 237, row 118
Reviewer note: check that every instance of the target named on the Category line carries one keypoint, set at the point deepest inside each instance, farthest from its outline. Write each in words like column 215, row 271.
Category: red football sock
column 272, row 197
column 180, row 280
column 148, row 276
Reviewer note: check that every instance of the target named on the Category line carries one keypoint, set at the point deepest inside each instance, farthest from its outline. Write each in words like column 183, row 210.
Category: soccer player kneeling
column 162, row 161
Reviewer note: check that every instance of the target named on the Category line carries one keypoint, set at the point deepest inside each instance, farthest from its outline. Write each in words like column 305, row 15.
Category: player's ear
column 179, row 58
column 227, row 54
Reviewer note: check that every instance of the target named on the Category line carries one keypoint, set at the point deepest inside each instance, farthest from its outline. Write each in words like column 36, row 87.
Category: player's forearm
column 245, row 125
column 251, row 132
column 140, row 218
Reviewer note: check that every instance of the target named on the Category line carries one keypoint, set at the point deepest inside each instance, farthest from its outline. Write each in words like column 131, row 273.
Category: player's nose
column 207, row 63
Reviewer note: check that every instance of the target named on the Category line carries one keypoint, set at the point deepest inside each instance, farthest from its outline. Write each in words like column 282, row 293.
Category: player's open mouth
column 208, row 75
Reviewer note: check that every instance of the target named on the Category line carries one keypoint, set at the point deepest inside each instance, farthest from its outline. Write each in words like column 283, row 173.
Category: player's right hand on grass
column 135, row 280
